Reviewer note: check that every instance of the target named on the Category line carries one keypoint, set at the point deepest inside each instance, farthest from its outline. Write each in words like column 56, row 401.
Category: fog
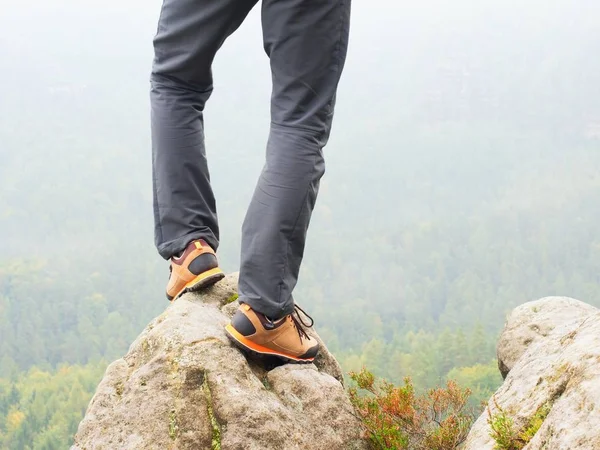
column 462, row 172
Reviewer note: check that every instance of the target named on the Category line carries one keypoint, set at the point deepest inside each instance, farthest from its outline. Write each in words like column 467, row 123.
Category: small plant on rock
column 502, row 430
column 505, row 432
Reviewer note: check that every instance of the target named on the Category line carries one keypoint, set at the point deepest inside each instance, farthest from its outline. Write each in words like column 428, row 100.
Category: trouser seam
column 329, row 107
column 338, row 47
column 287, row 253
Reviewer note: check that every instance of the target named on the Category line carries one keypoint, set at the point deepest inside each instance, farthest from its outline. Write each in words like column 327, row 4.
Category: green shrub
column 507, row 434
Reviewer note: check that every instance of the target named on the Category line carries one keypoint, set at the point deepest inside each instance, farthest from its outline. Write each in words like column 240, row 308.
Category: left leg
column 190, row 32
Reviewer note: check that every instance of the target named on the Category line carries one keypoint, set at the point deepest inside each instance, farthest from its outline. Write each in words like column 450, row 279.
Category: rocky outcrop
column 549, row 354
column 182, row 385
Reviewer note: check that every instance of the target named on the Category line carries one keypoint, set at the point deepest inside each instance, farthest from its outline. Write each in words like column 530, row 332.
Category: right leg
column 306, row 41
column 189, row 34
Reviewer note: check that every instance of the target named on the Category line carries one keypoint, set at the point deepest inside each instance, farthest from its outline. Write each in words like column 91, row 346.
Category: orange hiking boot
column 285, row 338
column 195, row 269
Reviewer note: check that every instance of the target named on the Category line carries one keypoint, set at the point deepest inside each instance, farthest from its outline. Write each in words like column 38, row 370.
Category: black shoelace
column 299, row 322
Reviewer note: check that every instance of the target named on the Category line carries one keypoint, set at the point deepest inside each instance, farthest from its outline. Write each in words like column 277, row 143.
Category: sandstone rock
column 534, row 321
column 182, row 385
column 549, row 353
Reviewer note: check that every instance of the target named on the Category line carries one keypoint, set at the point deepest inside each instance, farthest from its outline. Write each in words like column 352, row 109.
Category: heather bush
column 399, row 418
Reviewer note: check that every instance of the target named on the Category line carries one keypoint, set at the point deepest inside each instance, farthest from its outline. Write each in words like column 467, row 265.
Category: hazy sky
column 74, row 89
column 68, row 41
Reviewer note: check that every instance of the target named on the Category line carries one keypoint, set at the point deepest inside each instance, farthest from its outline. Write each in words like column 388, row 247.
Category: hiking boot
column 284, row 338
column 195, row 269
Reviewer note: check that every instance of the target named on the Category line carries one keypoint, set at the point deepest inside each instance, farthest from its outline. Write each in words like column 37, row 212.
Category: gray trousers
column 306, row 41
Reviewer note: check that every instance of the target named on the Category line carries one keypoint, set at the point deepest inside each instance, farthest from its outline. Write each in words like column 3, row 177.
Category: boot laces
column 299, row 322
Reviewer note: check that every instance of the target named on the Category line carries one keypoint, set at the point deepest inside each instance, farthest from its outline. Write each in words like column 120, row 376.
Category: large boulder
column 182, row 385
column 549, row 354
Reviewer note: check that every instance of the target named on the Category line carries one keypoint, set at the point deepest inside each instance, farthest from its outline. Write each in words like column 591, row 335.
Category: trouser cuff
column 176, row 246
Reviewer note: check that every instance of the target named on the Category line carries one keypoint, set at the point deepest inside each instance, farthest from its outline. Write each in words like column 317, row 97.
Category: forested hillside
column 463, row 179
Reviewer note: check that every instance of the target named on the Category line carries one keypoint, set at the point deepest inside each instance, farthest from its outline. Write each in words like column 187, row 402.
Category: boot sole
column 245, row 344
column 202, row 281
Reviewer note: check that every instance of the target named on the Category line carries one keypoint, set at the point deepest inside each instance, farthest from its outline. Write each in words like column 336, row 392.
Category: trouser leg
column 188, row 36
column 306, row 41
